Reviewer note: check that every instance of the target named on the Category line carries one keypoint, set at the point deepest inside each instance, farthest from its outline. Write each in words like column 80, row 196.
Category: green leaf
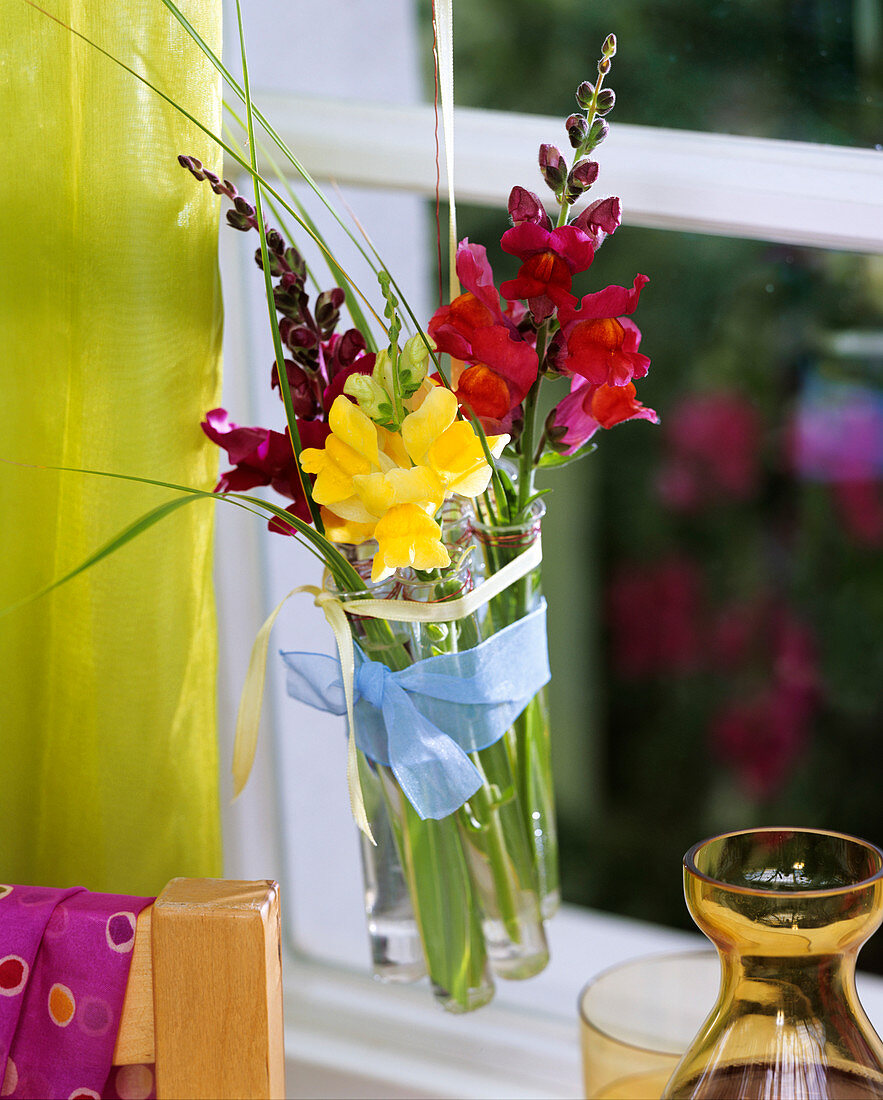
column 552, row 459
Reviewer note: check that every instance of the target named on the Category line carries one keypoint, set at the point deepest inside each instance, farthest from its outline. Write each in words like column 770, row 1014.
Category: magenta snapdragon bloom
column 551, row 258
column 501, row 365
column 589, row 407
column 597, row 342
column 261, row 456
column 525, row 206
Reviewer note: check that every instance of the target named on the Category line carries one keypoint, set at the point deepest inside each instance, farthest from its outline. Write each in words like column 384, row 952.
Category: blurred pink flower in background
column 836, row 437
column 860, row 505
column 761, row 738
column 712, row 443
column 761, row 734
column 655, row 618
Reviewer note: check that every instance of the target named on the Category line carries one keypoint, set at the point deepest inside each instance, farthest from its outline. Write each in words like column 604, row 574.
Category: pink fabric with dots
column 64, row 964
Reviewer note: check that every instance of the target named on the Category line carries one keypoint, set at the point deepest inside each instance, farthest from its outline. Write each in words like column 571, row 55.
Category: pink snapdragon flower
column 599, row 220
column 525, row 206
column 589, row 407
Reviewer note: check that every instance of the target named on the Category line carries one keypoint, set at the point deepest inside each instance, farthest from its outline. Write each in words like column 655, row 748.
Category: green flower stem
column 528, row 737
column 526, row 463
column 481, row 815
column 443, row 898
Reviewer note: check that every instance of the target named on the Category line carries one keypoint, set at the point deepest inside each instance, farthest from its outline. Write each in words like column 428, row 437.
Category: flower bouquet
column 415, row 483
column 409, row 462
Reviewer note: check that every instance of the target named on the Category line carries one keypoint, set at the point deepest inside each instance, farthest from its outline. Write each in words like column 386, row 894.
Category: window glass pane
column 808, row 70
column 715, row 584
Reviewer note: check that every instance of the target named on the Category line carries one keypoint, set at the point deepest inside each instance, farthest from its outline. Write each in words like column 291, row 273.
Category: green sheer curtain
column 110, row 336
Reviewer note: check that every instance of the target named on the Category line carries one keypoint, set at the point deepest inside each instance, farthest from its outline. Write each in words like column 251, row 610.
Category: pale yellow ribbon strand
column 248, row 719
column 249, row 716
column 444, row 30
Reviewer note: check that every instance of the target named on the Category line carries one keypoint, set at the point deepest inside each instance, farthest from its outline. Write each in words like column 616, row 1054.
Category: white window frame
column 345, row 1035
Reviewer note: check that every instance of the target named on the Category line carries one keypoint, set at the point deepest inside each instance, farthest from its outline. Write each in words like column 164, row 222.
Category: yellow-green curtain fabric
column 110, row 335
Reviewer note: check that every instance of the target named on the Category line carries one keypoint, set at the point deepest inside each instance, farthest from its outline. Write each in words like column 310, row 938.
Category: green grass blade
column 325, row 550
column 270, row 130
column 337, row 272
column 116, row 543
column 282, row 373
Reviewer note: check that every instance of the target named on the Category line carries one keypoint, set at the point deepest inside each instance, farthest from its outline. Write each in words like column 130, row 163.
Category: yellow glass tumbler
column 637, row 1018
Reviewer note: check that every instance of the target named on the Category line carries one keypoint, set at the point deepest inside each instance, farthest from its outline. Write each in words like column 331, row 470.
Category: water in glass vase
column 802, row 1081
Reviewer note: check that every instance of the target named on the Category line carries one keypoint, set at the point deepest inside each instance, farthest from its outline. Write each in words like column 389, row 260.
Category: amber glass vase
column 788, row 910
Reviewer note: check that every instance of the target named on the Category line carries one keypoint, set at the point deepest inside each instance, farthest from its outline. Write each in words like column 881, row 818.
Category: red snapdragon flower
column 261, row 456
column 599, row 220
column 551, row 258
column 597, row 342
column 502, row 366
column 588, row 407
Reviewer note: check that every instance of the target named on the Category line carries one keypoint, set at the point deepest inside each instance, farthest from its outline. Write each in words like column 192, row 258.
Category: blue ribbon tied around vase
column 424, row 720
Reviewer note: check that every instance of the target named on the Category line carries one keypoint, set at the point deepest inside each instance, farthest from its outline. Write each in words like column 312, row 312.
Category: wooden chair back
column 204, row 998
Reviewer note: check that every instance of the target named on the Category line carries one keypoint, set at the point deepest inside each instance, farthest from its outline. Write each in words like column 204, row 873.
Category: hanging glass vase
column 788, row 910
column 422, row 912
column 528, row 740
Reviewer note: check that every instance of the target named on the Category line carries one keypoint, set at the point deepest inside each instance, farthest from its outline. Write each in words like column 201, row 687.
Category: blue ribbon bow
column 423, row 720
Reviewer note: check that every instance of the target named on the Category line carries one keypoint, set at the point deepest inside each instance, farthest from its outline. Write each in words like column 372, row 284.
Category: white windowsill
column 347, row 1036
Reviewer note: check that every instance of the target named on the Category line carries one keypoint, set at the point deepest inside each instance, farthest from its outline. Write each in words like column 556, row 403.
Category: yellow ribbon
column 335, row 611
column 444, row 29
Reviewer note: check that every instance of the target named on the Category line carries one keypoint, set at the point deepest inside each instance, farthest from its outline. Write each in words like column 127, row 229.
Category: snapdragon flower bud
column 609, row 47
column 584, row 94
column 606, row 99
column 553, row 167
column 577, row 128
column 581, row 178
column 600, row 129
column 371, row 398
column 413, row 364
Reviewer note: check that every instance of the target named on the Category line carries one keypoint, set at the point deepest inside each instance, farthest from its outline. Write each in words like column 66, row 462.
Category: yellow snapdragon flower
column 406, row 535
column 375, row 483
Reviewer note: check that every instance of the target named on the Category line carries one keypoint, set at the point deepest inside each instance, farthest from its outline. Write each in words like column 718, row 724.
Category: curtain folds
column 110, row 337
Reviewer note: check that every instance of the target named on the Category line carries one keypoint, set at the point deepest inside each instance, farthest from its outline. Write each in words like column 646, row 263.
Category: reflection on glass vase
column 788, row 910
column 528, row 740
